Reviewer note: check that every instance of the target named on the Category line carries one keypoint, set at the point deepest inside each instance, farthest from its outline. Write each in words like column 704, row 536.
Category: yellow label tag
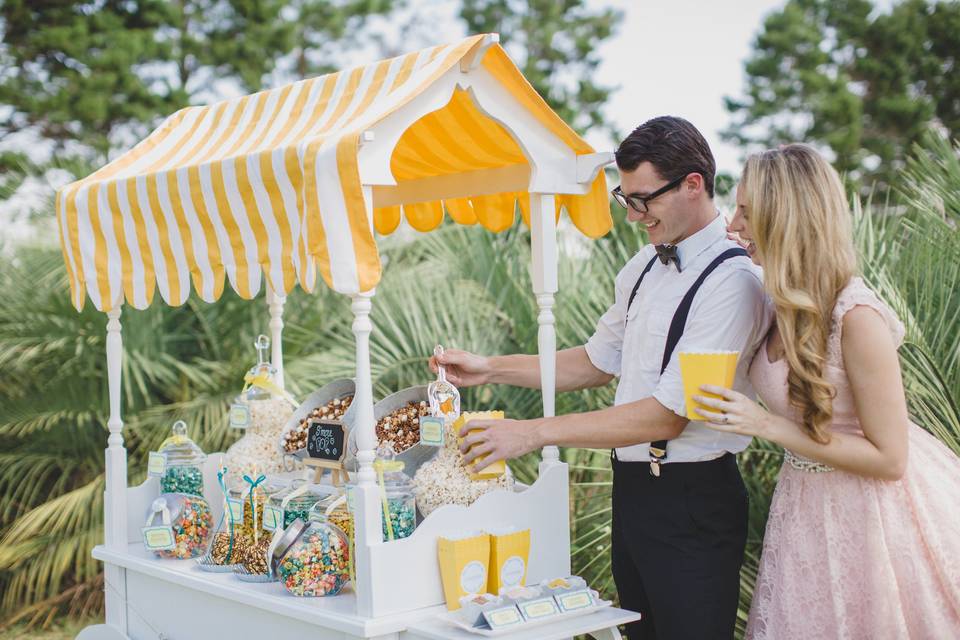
column 156, row 463
column 504, row 617
column 272, row 518
column 236, row 510
column 431, row 431
column 539, row 608
column 159, row 538
column 575, row 600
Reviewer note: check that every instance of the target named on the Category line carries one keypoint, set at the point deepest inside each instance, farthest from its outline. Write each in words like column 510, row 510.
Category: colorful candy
column 182, row 479
column 318, row 563
column 403, row 517
column 191, row 529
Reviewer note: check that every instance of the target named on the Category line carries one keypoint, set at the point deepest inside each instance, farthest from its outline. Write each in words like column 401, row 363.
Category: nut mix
column 401, row 428
column 296, row 438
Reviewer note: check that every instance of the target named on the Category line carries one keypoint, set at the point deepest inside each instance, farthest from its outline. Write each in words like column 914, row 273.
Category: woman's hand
column 497, row 440
column 734, row 413
column 463, row 369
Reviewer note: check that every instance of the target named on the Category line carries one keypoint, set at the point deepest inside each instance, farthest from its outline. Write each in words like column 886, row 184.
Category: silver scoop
column 443, row 396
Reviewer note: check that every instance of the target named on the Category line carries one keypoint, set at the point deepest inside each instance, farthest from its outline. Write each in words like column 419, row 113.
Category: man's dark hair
column 673, row 146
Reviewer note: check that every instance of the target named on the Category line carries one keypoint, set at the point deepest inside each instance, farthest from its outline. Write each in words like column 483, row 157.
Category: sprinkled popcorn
column 401, row 428
column 318, row 563
column 296, row 438
column 191, row 528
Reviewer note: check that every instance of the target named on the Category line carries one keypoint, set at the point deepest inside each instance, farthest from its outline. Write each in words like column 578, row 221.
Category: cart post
column 275, row 303
column 115, row 495
column 543, row 232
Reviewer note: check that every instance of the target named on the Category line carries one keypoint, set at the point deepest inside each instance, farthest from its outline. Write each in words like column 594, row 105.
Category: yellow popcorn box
column 706, row 367
column 509, row 554
column 498, row 468
column 464, row 565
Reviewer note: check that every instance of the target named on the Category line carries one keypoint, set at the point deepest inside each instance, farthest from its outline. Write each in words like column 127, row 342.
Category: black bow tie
column 668, row 252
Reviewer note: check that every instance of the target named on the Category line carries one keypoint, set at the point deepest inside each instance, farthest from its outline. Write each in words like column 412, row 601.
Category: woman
column 863, row 539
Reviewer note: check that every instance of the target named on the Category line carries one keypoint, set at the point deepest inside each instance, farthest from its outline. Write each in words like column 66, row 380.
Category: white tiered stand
column 397, row 594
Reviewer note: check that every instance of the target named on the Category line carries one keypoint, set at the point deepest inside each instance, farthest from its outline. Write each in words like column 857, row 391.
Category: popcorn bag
column 463, row 566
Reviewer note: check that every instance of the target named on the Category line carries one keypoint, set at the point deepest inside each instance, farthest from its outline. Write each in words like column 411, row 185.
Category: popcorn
column 444, row 480
column 257, row 450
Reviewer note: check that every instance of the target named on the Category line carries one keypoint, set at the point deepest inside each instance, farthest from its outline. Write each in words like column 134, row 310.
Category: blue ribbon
column 226, row 502
column 253, row 509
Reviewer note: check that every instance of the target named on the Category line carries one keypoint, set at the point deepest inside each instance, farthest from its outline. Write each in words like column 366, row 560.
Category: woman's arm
column 872, row 366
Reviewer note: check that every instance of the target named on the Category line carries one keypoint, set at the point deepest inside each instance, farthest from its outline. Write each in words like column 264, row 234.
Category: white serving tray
column 452, row 617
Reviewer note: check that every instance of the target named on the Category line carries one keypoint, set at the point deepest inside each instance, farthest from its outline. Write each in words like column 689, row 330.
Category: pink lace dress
column 852, row 557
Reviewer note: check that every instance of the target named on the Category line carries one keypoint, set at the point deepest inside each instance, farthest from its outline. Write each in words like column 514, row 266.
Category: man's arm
column 574, row 370
column 644, row 420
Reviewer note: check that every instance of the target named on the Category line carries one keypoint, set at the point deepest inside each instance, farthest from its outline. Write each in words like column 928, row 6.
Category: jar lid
column 179, row 449
column 287, row 539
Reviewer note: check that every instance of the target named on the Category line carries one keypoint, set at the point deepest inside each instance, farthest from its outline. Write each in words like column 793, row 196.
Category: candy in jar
column 296, row 501
column 183, row 463
column 313, row 559
column 335, row 509
column 399, row 512
column 188, row 519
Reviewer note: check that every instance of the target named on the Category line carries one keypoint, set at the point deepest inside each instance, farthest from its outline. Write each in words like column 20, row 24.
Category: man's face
column 668, row 216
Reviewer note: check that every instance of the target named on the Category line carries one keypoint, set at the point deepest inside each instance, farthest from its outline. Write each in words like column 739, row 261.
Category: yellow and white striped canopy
column 269, row 184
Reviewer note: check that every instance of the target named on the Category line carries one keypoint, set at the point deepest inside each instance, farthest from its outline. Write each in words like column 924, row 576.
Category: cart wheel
column 101, row 632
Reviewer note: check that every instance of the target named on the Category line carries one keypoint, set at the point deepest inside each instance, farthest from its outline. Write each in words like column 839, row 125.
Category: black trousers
column 678, row 543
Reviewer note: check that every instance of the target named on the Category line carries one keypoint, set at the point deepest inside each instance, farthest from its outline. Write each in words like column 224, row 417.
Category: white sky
column 680, row 57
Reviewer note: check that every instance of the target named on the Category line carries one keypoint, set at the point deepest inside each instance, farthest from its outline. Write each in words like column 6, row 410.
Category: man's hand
column 497, row 440
column 464, row 369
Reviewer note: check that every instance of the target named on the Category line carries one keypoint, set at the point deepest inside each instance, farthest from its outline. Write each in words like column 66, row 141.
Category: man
column 679, row 504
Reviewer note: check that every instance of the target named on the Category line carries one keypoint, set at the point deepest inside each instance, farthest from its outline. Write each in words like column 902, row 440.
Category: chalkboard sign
column 326, row 440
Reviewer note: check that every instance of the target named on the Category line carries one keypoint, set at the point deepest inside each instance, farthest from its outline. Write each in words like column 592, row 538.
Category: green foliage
column 99, row 73
column 861, row 83
column 555, row 44
column 187, row 363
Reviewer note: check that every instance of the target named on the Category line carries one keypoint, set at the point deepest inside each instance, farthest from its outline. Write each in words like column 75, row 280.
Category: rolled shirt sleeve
column 725, row 315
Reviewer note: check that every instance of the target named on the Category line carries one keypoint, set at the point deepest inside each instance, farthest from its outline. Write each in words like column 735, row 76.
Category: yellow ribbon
column 381, row 466
column 263, row 381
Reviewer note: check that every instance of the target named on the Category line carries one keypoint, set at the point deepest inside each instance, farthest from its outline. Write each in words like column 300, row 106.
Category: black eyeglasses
column 639, row 203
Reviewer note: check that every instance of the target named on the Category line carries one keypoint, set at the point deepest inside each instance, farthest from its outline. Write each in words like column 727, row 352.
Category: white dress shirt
column 729, row 312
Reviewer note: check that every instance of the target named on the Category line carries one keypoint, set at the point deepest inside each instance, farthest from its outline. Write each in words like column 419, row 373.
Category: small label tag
column 540, row 608
column 511, row 573
column 473, row 578
column 503, row 617
column 239, row 416
column 236, row 510
column 272, row 518
column 574, row 600
column 431, row 431
column 156, row 463
column 159, row 538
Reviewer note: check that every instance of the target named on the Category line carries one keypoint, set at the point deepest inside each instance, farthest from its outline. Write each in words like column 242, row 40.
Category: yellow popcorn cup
column 496, row 469
column 464, row 564
column 509, row 554
column 706, row 367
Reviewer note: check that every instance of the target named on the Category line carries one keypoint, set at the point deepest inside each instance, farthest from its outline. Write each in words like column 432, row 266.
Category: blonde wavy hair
column 801, row 224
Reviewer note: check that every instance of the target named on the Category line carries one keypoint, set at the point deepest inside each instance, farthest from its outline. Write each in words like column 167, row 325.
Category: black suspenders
column 658, row 450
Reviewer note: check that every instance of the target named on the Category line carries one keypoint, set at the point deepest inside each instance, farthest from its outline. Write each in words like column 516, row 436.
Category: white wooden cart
column 292, row 181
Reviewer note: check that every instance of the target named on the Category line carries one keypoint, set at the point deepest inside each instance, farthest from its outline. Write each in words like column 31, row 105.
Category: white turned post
column 115, row 506
column 543, row 232
column 275, row 304
column 367, row 519
column 115, row 495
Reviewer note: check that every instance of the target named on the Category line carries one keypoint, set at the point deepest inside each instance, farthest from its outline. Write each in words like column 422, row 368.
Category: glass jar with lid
column 184, row 522
column 183, row 463
column 294, row 502
column 399, row 511
column 262, row 409
column 312, row 558
column 335, row 509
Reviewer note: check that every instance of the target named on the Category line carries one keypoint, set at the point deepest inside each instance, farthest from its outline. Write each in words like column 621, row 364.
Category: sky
column 680, row 57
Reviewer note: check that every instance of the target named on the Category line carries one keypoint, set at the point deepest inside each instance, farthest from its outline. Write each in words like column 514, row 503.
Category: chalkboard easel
column 326, row 448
